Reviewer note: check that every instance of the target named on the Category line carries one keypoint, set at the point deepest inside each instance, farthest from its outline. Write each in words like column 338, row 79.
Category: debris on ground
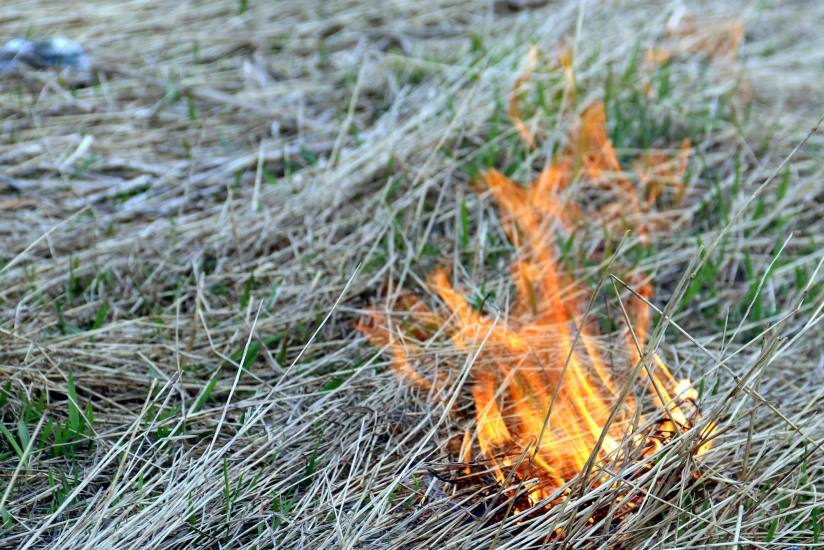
column 56, row 52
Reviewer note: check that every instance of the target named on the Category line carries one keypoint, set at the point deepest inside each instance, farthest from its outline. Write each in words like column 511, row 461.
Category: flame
column 534, row 352
column 656, row 170
column 716, row 40
column 513, row 111
column 565, row 58
column 719, row 40
column 657, row 56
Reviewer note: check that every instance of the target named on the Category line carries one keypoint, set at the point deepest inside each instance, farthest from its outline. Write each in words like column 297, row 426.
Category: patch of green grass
column 6, row 518
column 250, row 285
column 61, row 488
column 17, row 446
column 164, row 428
column 310, row 157
column 282, row 506
column 61, row 439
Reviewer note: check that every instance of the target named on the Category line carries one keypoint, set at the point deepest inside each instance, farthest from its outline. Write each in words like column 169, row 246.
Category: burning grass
column 547, row 407
column 530, row 385
column 191, row 229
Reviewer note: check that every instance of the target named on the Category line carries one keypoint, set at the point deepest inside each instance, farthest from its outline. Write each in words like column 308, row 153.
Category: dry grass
column 203, row 199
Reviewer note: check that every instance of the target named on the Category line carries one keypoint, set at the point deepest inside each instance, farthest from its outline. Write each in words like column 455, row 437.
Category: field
column 488, row 274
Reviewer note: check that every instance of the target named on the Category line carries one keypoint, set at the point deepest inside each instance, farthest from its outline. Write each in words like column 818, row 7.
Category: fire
column 714, row 39
column 544, row 344
column 513, row 103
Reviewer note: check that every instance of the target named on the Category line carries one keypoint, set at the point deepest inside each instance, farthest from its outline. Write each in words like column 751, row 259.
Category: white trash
column 41, row 54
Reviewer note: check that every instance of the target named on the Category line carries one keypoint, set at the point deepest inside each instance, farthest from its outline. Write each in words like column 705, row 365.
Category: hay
column 202, row 198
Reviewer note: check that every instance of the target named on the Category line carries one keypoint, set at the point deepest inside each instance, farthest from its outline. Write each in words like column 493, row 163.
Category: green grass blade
column 207, row 392
column 464, row 225
column 5, row 391
column 11, row 440
column 74, row 412
column 101, row 316
column 23, row 433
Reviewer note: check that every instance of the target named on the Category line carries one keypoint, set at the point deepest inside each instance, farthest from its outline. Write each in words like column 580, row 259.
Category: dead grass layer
column 190, row 230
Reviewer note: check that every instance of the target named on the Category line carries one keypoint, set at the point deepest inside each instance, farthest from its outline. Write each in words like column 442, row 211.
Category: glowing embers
column 542, row 373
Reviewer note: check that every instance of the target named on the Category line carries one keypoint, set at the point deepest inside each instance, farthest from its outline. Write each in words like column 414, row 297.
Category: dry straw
column 181, row 230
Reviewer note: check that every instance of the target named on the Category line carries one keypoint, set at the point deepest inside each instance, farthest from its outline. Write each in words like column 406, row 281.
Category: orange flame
column 714, row 39
column 527, row 357
column 513, row 112
column 656, row 170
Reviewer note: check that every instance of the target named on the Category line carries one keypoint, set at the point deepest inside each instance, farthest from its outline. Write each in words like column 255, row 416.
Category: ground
column 207, row 234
